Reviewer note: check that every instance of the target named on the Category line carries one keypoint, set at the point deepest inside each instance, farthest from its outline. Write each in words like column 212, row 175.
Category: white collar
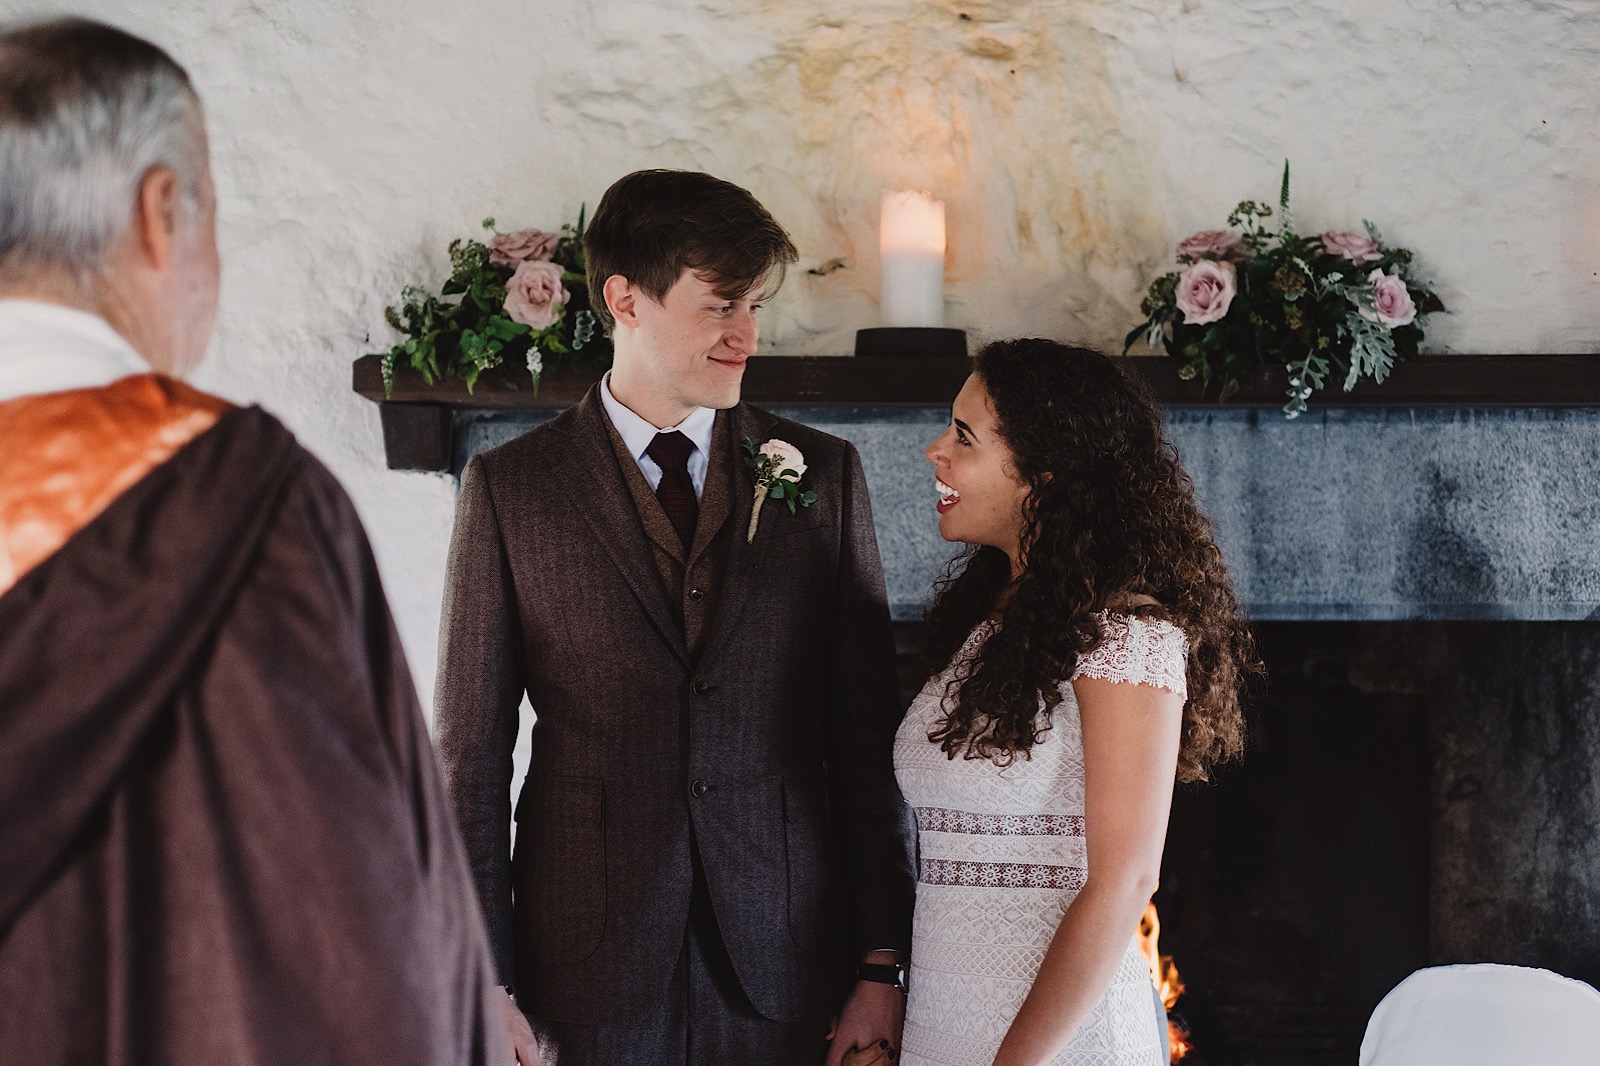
column 637, row 433
column 47, row 347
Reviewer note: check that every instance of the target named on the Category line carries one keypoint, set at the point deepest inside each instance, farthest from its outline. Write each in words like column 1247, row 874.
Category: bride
column 1083, row 652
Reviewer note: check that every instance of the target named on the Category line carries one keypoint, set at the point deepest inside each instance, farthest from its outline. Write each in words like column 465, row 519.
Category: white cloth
column 46, row 347
column 1001, row 856
column 637, row 434
column 1484, row 1015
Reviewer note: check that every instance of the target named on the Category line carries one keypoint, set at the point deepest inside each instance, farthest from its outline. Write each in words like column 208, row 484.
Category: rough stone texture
column 1335, row 516
column 1428, row 513
column 1074, row 143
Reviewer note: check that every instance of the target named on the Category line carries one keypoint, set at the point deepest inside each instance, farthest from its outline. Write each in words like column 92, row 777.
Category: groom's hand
column 873, row 1014
column 521, row 1034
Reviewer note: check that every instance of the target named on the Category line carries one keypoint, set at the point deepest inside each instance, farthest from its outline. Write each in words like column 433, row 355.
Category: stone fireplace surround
column 1423, row 784
column 1465, row 488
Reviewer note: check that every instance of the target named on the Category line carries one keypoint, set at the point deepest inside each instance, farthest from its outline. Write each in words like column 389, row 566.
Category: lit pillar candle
column 911, row 243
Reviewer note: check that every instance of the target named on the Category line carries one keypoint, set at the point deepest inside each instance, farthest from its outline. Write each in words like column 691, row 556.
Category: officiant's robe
column 222, row 832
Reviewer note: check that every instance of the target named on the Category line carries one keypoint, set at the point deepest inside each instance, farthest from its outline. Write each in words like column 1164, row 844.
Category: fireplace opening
column 1414, row 794
column 1294, row 888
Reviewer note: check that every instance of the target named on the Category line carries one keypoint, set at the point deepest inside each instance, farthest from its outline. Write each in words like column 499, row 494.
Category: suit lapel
column 595, row 481
column 742, row 569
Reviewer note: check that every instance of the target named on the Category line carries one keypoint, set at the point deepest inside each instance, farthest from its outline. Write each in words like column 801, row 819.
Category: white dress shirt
column 46, row 347
column 637, row 434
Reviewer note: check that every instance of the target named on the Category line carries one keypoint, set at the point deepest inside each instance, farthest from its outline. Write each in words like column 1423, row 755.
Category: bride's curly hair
column 1109, row 519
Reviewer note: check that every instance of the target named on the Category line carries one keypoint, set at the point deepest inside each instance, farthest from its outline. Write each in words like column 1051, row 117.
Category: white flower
column 786, row 458
column 776, row 468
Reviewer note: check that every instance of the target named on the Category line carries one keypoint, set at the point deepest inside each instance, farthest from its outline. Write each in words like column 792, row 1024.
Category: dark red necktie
column 671, row 452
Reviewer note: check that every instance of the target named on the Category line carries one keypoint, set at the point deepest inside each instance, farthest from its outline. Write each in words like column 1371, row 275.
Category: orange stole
column 66, row 456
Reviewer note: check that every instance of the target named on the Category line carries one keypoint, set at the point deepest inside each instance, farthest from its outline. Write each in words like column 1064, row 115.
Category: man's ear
column 622, row 297
column 155, row 216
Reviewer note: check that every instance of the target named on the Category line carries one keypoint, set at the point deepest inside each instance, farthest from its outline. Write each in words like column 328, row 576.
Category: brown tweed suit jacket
column 744, row 712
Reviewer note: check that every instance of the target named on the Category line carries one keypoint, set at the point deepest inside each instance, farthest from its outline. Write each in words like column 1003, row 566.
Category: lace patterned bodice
column 1001, row 856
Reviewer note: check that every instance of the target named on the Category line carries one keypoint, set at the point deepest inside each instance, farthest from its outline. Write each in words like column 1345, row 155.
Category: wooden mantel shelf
column 418, row 418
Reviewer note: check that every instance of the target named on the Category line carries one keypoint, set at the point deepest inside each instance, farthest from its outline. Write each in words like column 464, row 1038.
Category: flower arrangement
column 1338, row 302
column 523, row 302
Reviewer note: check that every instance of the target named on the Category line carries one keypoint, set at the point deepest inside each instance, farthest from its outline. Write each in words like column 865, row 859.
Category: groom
column 712, row 858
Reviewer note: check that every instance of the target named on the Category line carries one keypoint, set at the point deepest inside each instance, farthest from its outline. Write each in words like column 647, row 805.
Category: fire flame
column 1164, row 974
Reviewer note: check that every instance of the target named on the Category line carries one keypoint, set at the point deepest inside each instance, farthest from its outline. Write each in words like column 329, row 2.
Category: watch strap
column 884, row 973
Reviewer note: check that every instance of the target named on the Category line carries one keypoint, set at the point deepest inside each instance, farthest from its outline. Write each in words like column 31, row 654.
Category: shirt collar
column 637, row 434
column 47, row 347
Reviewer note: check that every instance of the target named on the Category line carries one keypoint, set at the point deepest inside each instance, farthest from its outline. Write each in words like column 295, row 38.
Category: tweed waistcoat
column 692, row 577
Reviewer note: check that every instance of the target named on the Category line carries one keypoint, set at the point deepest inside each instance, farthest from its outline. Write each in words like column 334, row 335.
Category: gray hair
column 86, row 111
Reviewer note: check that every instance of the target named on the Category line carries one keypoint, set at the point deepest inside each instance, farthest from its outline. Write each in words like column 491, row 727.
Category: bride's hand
column 873, row 1055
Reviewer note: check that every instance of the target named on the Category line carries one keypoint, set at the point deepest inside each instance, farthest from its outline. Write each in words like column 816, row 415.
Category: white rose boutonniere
column 777, row 467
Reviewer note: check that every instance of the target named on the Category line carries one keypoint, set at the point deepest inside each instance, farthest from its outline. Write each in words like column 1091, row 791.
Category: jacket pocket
column 812, row 910
column 561, row 868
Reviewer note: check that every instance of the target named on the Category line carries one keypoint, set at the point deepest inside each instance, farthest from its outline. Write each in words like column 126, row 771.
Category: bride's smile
column 980, row 492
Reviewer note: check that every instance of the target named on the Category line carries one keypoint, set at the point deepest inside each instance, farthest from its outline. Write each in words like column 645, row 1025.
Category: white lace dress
column 1001, row 855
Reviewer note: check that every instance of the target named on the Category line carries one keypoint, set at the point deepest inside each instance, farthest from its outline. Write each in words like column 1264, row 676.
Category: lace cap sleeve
column 1139, row 651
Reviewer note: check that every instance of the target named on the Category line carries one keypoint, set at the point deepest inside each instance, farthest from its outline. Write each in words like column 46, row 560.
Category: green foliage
column 1296, row 305
column 464, row 332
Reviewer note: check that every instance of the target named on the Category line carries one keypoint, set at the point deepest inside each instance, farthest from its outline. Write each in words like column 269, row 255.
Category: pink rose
column 509, row 249
column 1205, row 291
column 535, row 295
column 1354, row 246
column 1391, row 302
column 1213, row 244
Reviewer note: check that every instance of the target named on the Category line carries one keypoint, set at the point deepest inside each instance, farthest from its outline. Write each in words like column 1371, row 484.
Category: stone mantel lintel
column 1465, row 488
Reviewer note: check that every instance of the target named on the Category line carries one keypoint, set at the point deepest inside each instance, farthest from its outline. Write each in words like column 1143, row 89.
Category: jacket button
column 699, row 788
column 697, row 595
column 698, row 686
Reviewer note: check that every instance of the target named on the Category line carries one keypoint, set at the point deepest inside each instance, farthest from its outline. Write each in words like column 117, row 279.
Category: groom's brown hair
column 653, row 224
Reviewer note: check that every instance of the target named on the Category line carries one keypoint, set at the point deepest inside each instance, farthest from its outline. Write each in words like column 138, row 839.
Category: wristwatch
column 884, row 973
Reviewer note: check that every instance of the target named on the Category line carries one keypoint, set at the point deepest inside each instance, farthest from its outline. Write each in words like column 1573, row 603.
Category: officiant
column 223, row 831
